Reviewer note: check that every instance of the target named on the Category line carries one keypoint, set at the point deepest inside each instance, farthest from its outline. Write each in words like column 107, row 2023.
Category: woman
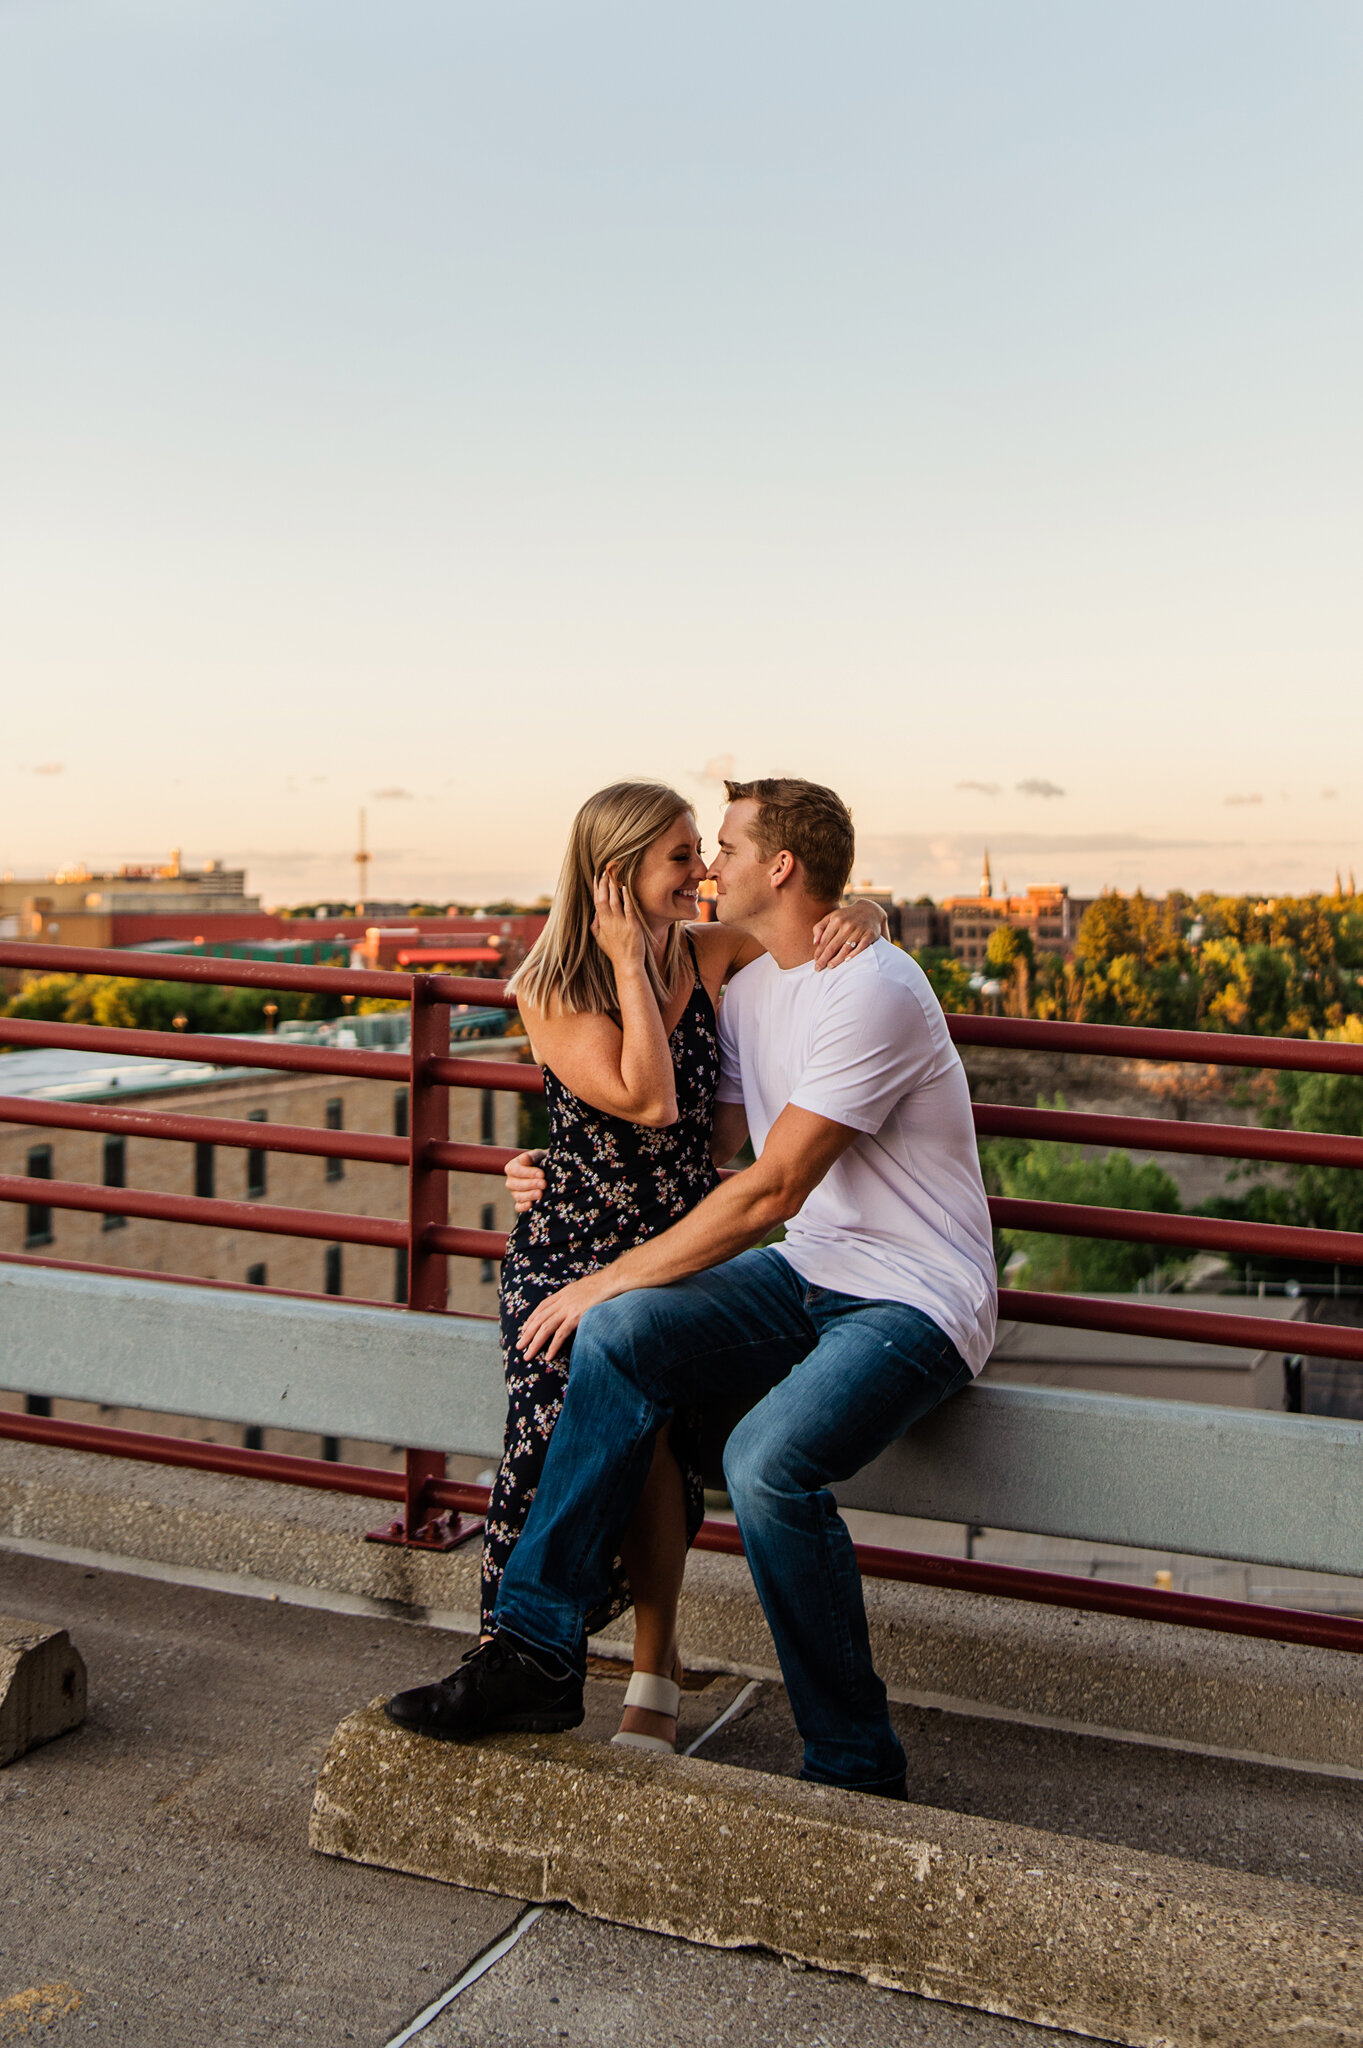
column 618, row 997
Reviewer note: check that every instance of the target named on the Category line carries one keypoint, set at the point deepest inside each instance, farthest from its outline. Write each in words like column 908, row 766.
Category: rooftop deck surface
column 154, row 1865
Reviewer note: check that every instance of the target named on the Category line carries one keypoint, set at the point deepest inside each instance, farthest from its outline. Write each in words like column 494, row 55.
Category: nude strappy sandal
column 656, row 1696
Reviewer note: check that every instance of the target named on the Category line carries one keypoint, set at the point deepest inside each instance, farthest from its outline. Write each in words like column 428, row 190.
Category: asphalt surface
column 590, row 1985
column 156, row 1861
column 156, row 1888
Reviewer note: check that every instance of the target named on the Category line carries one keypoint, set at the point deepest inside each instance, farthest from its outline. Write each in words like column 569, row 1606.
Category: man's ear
column 782, row 870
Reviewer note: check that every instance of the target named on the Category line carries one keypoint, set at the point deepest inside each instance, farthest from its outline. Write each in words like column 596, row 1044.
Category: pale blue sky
column 483, row 403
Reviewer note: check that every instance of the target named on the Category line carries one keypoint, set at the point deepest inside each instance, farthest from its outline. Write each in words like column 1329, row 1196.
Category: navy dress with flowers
column 609, row 1185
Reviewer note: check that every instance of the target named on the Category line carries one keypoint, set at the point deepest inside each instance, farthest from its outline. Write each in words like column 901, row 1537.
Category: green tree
column 1106, row 933
column 1059, row 990
column 1041, row 1171
column 1010, row 958
column 119, row 1000
column 1006, row 948
column 1134, row 963
column 1330, row 1197
column 949, row 977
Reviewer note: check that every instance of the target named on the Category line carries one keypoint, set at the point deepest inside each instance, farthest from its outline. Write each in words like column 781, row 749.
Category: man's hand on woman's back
column 525, row 1180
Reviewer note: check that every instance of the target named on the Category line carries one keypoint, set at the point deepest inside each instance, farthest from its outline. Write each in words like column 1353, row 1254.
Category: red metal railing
column 430, row 1240
column 455, row 1497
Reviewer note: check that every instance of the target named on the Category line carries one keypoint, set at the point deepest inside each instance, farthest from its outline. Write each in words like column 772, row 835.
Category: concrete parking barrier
column 1140, row 1949
column 42, row 1685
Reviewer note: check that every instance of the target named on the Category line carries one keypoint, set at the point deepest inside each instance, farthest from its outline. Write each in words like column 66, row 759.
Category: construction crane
column 362, row 859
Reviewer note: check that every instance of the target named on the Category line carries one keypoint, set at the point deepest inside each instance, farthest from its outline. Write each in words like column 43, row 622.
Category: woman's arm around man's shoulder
column 846, row 931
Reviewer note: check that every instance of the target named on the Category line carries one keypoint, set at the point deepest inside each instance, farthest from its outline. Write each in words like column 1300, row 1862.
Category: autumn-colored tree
column 1106, row 933
column 948, row 976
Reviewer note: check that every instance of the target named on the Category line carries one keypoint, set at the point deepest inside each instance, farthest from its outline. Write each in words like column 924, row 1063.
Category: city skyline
column 937, row 867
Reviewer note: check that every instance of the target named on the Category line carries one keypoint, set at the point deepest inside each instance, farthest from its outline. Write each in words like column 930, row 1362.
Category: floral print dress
column 609, row 1185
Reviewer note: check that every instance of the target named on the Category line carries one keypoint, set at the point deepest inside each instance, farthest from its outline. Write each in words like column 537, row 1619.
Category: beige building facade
column 279, row 1179
column 78, row 907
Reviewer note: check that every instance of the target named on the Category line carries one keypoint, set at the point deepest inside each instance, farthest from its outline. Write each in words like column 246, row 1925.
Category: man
column 880, row 1302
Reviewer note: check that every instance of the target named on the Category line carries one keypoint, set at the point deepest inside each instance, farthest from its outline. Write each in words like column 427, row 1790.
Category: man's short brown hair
column 803, row 818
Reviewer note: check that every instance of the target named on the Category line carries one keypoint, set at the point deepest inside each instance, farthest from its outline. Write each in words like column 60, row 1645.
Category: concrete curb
column 1232, row 1694
column 1144, row 1950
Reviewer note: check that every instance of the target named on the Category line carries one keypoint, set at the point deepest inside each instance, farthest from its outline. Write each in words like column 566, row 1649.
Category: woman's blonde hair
column 565, row 966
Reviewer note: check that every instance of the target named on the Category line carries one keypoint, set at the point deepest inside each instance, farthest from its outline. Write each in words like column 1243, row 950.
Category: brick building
column 920, row 925
column 228, row 1173
column 77, row 907
column 1046, row 912
column 207, row 910
column 912, row 925
column 494, row 945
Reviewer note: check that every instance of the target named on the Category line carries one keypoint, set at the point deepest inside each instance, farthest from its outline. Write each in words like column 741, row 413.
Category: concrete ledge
column 42, row 1685
column 265, row 1359
column 1112, row 1468
column 1143, row 1950
column 1228, row 1693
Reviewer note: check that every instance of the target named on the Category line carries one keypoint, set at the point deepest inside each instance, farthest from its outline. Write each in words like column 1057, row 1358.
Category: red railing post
column 424, row 1526
column 428, row 1185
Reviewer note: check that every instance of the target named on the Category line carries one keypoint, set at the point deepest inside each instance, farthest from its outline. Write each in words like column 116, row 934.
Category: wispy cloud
column 982, row 788
column 719, row 769
column 943, row 863
column 50, row 768
column 393, row 795
column 1329, row 795
column 1254, row 797
column 1037, row 785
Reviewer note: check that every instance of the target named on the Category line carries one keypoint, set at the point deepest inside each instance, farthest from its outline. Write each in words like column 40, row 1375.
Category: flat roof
column 1050, row 1344
column 47, row 1073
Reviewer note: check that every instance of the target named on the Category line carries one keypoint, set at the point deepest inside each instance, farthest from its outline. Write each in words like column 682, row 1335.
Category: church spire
column 986, row 878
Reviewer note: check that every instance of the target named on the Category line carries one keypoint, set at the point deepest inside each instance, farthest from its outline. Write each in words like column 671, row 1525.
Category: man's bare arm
column 800, row 1149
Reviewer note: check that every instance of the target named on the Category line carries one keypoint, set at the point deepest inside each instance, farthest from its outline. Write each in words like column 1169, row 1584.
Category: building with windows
column 207, row 911
column 494, row 945
column 1046, row 912
column 919, row 925
column 78, row 907
column 222, row 1172
column 912, row 925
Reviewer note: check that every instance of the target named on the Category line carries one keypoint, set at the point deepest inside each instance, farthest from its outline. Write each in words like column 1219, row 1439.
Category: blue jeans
column 835, row 1379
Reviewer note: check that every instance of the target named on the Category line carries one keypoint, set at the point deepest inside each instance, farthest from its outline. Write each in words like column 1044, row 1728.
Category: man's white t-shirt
column 902, row 1215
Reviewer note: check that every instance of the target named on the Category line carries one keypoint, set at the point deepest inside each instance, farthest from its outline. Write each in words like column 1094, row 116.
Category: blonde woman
column 618, row 997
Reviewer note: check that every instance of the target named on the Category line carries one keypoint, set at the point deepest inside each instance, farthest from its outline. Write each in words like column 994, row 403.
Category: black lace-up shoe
column 498, row 1685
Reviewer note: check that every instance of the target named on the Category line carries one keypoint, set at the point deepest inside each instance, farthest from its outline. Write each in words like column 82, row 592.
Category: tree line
column 120, row 1001
column 1316, row 1197
column 1288, row 967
